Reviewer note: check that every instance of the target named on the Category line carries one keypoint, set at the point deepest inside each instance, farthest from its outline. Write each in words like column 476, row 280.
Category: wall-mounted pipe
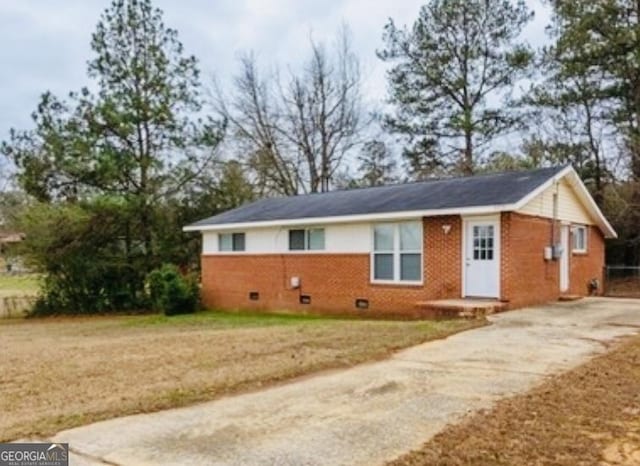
column 554, row 220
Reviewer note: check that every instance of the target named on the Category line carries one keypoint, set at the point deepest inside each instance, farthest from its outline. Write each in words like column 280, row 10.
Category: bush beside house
column 172, row 293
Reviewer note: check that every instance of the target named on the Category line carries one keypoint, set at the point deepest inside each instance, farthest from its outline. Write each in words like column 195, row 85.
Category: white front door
column 482, row 259
column 564, row 258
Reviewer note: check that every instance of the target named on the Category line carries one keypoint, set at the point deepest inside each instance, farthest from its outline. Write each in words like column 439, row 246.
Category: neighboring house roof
column 11, row 237
column 467, row 195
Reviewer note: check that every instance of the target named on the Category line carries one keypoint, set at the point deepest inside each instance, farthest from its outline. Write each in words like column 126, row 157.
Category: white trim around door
column 481, row 262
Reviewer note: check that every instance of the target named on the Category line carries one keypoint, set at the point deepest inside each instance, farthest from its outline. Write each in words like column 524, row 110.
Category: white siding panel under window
column 348, row 238
column 339, row 239
column 267, row 240
column 569, row 206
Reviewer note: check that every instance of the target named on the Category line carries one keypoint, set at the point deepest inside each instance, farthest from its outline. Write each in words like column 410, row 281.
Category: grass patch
column 58, row 373
column 223, row 319
column 19, row 285
column 588, row 416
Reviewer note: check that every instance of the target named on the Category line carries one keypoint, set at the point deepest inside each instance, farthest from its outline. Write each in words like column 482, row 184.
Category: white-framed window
column 309, row 239
column 579, row 234
column 397, row 252
column 231, row 242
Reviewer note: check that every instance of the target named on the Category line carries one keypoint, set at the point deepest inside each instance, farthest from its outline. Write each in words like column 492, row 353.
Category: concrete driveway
column 371, row 413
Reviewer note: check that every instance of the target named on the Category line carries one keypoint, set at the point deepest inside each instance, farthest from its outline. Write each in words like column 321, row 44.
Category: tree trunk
column 467, row 165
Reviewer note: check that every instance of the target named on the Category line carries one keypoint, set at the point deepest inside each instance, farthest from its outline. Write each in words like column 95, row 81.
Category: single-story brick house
column 520, row 238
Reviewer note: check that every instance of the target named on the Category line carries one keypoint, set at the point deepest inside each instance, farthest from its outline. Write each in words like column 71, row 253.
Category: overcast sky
column 45, row 43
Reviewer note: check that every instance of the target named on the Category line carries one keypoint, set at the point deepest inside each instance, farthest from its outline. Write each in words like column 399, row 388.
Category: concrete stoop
column 461, row 308
column 569, row 297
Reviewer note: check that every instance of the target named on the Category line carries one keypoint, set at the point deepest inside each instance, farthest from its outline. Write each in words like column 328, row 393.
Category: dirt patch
column 60, row 373
column 15, row 306
column 589, row 416
column 628, row 287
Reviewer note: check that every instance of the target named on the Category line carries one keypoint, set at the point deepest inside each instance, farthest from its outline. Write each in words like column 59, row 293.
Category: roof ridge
column 555, row 168
column 486, row 189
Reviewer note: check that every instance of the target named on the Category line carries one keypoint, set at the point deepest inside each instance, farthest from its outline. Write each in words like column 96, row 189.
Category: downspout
column 554, row 221
column 283, row 260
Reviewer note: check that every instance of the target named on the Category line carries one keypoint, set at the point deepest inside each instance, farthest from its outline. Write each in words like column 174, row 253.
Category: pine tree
column 451, row 80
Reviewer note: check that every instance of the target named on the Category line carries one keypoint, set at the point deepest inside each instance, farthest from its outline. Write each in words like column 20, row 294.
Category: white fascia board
column 390, row 216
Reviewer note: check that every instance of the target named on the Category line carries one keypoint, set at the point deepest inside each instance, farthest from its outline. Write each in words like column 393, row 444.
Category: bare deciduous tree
column 294, row 133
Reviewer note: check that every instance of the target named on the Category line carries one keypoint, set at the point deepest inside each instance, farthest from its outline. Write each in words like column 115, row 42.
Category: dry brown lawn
column 63, row 372
column 589, row 416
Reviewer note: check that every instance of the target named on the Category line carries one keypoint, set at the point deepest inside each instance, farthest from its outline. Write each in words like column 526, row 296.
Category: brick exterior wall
column 335, row 281
column 586, row 267
column 527, row 278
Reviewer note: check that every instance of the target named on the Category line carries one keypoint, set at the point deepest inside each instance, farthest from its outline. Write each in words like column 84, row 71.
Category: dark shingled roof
column 451, row 193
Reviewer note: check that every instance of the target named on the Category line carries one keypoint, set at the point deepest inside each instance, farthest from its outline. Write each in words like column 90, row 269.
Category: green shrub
column 172, row 293
column 84, row 262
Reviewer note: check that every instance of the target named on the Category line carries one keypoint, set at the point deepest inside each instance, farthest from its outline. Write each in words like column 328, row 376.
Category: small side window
column 311, row 239
column 225, row 242
column 579, row 233
column 231, row 242
column 316, row 239
column 296, row 240
column 238, row 241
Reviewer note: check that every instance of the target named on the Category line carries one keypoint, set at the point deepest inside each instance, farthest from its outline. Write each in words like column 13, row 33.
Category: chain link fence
column 622, row 281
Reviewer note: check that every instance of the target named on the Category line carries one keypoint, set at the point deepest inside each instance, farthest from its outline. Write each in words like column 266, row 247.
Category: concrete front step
column 460, row 308
column 569, row 297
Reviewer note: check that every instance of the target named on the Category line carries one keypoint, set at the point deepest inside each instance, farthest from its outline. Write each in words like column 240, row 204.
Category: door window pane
column 383, row 266
column 483, row 242
column 410, row 267
column 410, row 236
column 383, row 238
column 296, row 240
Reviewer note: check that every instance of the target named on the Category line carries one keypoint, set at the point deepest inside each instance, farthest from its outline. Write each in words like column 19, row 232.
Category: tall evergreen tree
column 596, row 45
column 116, row 158
column 138, row 137
column 452, row 77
